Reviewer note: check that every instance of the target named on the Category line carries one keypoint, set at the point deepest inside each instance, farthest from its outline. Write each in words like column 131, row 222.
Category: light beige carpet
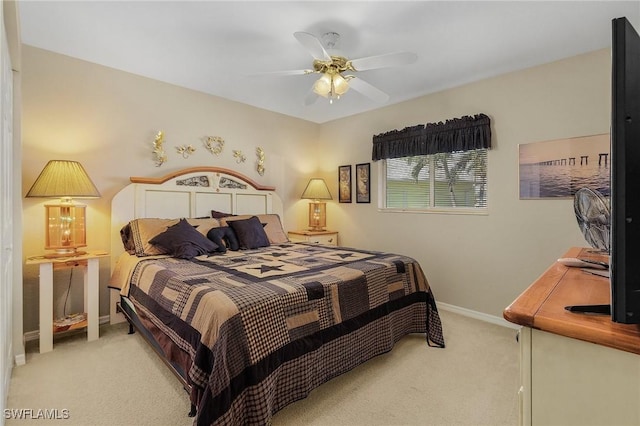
column 118, row 380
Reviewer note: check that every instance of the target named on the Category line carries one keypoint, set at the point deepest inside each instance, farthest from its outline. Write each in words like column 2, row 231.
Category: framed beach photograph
column 344, row 184
column 363, row 184
column 559, row 168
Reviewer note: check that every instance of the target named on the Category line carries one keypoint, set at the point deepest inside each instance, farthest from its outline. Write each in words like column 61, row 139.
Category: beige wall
column 481, row 262
column 107, row 119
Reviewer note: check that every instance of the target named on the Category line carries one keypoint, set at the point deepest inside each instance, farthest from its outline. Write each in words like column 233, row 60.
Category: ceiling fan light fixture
column 340, row 85
column 330, row 66
column 331, row 86
column 322, row 86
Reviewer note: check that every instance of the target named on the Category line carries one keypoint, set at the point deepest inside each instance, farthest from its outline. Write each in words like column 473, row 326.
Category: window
column 453, row 181
column 437, row 166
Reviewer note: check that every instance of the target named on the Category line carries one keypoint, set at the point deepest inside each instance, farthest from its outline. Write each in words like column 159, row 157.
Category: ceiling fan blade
column 382, row 61
column 285, row 72
column 368, row 90
column 313, row 45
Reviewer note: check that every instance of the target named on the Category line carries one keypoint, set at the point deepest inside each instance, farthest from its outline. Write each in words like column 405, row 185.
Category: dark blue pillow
column 183, row 241
column 223, row 237
column 219, row 215
column 250, row 233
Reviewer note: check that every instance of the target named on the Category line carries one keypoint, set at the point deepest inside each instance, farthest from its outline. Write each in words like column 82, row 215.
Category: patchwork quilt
column 264, row 327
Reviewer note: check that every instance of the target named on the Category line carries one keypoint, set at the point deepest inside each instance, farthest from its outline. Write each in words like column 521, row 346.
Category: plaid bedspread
column 265, row 327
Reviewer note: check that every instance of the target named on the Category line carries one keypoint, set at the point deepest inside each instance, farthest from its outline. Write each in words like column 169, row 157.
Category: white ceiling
column 215, row 46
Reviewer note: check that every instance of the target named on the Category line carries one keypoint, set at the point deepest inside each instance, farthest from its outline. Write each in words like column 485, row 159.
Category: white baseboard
column 35, row 334
column 20, row 359
column 477, row 315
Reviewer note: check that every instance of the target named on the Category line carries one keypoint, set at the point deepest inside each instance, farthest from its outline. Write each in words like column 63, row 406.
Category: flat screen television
column 625, row 174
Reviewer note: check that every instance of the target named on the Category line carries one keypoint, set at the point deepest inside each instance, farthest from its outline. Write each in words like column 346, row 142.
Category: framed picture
column 344, row 184
column 559, row 168
column 363, row 184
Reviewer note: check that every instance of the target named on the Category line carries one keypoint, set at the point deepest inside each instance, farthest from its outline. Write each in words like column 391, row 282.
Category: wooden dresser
column 576, row 369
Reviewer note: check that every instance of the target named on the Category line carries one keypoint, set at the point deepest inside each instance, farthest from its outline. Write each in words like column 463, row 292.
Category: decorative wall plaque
column 239, row 156
column 214, row 144
column 260, row 163
column 185, row 150
column 158, row 150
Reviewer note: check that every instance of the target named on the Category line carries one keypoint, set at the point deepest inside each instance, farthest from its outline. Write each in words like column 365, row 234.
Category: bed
column 256, row 322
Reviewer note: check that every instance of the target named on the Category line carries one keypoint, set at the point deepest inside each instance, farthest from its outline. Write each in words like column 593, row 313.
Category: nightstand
column 89, row 262
column 329, row 238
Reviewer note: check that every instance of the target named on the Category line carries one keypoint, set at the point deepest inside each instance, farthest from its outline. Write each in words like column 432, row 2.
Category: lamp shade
column 316, row 190
column 65, row 222
column 63, row 179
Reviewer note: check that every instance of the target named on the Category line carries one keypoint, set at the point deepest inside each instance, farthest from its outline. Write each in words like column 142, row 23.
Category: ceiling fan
column 332, row 82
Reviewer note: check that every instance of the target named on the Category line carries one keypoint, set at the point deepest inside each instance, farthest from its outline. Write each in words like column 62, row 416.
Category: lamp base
column 64, row 253
column 317, row 215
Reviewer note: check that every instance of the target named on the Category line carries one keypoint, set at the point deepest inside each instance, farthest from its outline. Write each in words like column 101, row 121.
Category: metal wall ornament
column 214, row 144
column 160, row 157
column 239, row 156
column 260, row 162
column 185, row 150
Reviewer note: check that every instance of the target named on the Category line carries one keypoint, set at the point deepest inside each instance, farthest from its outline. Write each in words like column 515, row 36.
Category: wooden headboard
column 191, row 192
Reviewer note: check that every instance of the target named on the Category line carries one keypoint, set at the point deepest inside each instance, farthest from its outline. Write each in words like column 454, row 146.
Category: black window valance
column 458, row 134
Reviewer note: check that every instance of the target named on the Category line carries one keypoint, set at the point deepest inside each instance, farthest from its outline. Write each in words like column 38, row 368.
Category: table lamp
column 65, row 226
column 317, row 190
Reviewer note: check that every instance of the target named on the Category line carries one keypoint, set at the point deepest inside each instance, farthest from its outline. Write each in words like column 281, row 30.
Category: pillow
column 219, row 215
column 183, row 241
column 273, row 228
column 250, row 233
column 203, row 225
column 223, row 237
column 142, row 230
column 271, row 223
column 127, row 239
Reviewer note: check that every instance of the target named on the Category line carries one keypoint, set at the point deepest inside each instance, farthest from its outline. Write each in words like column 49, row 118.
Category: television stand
column 576, row 369
column 590, row 309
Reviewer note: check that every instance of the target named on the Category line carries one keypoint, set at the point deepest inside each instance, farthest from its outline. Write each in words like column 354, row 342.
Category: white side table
column 329, row 238
column 90, row 264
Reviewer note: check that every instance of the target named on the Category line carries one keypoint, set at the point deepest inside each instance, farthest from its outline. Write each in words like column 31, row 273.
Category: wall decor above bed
column 260, row 162
column 239, row 156
column 160, row 157
column 185, row 150
column 214, row 144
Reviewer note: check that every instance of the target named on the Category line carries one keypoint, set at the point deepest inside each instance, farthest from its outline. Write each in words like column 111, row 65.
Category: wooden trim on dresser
column 163, row 179
column 523, row 310
column 542, row 306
